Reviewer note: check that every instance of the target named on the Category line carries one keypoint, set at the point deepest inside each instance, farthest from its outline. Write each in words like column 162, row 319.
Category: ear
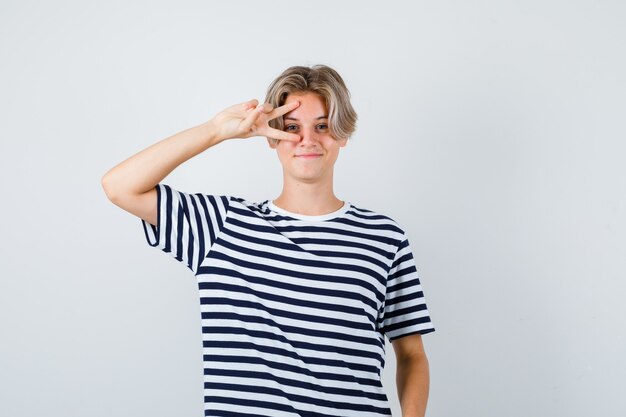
column 343, row 142
column 272, row 142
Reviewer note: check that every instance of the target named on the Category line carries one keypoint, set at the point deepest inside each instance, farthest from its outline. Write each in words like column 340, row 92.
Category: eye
column 290, row 126
column 322, row 126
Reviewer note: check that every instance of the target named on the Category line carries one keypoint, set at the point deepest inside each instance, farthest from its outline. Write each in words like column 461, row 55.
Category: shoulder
column 244, row 205
column 381, row 222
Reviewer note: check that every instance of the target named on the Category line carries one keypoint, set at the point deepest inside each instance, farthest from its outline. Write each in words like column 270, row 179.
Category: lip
column 309, row 155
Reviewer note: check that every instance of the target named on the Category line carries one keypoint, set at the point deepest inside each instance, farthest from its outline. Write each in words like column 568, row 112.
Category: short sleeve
column 187, row 224
column 404, row 311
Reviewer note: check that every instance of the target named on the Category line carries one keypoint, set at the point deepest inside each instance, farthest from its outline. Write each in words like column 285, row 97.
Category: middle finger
column 285, row 108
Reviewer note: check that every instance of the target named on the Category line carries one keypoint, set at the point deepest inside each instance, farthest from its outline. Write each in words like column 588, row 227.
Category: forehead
column 311, row 106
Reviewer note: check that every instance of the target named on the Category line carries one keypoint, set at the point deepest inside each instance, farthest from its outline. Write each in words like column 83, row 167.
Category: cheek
column 330, row 142
column 332, row 146
column 286, row 147
column 283, row 153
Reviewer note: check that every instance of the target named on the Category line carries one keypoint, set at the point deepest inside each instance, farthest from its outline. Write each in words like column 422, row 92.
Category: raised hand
column 249, row 119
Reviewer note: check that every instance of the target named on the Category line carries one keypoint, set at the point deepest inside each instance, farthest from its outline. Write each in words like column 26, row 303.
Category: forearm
column 412, row 382
column 147, row 168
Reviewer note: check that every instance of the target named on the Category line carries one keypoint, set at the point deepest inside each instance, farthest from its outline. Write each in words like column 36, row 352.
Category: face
column 313, row 157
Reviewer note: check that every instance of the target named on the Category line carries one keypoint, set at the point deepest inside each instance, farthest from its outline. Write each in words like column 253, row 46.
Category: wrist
column 210, row 133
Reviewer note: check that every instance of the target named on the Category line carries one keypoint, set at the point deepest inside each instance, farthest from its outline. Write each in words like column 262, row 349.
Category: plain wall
column 492, row 131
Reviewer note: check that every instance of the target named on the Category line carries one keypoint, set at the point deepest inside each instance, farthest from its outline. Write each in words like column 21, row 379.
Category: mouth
column 309, row 155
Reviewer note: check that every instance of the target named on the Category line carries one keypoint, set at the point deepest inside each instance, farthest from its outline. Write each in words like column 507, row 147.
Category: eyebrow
column 293, row 118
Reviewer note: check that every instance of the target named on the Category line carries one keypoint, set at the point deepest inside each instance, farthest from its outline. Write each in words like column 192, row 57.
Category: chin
column 305, row 177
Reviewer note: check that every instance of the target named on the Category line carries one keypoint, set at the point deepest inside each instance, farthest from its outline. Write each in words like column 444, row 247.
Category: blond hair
column 322, row 80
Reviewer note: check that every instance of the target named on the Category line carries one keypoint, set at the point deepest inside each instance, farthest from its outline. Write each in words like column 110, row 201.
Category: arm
column 144, row 170
column 130, row 184
column 412, row 375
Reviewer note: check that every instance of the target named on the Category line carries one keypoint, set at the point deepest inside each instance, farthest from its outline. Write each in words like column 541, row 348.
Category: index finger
column 285, row 108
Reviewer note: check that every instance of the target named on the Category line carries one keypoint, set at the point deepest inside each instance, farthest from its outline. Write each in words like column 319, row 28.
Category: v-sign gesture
column 249, row 118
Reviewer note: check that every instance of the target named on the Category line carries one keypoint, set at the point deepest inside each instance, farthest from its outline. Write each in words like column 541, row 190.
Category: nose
column 308, row 135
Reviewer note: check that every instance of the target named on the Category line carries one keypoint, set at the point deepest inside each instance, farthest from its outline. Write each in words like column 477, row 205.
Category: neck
column 312, row 198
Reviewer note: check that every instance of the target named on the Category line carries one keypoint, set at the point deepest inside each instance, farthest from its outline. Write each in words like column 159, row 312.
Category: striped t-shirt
column 294, row 308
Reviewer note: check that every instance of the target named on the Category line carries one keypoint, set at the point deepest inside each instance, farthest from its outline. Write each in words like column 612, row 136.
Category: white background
column 492, row 131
